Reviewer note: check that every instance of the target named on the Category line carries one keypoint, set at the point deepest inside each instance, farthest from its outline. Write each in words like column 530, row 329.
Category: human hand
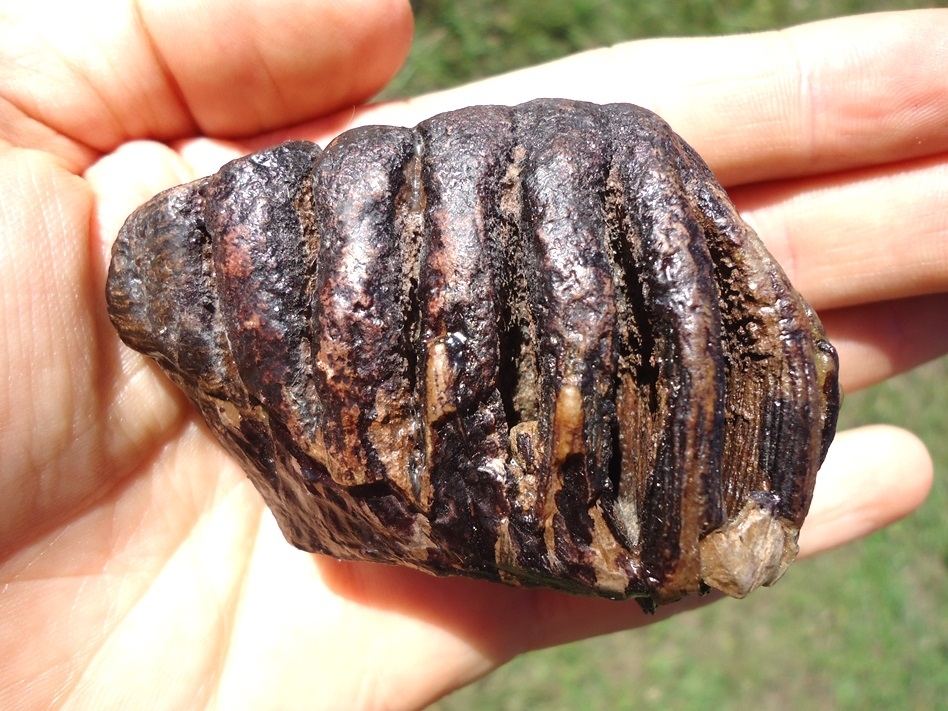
column 137, row 565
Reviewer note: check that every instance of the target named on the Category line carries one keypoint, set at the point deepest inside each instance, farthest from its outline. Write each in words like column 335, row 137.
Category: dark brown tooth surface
column 163, row 298
column 533, row 344
column 161, row 291
column 782, row 388
column 363, row 357
column 572, row 302
column 260, row 254
column 465, row 428
column 782, row 384
column 672, row 373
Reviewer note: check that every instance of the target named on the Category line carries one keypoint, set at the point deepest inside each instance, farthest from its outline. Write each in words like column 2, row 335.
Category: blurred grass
column 864, row 627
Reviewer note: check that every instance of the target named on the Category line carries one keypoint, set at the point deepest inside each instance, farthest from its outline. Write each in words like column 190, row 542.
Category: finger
column 872, row 477
column 817, row 98
column 275, row 64
column 826, row 96
column 115, row 71
column 877, row 341
column 854, row 238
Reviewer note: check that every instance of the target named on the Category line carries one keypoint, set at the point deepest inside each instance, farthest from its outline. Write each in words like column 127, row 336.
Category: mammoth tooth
column 531, row 344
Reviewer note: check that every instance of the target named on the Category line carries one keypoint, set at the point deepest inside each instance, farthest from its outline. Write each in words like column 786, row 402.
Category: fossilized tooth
column 532, row 344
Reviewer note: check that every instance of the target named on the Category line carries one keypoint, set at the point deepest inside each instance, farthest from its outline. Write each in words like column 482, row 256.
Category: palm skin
column 139, row 569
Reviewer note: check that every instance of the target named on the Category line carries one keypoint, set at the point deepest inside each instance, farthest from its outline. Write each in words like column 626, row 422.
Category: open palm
column 139, row 569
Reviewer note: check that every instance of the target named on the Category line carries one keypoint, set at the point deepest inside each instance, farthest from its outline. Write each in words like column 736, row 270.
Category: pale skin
column 138, row 567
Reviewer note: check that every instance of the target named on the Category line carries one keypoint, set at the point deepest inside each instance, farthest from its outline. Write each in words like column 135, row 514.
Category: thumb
column 80, row 79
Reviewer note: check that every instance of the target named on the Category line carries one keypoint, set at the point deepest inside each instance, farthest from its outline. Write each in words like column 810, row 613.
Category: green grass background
column 864, row 627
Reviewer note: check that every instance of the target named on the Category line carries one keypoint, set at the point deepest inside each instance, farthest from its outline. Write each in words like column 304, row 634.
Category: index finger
column 812, row 99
